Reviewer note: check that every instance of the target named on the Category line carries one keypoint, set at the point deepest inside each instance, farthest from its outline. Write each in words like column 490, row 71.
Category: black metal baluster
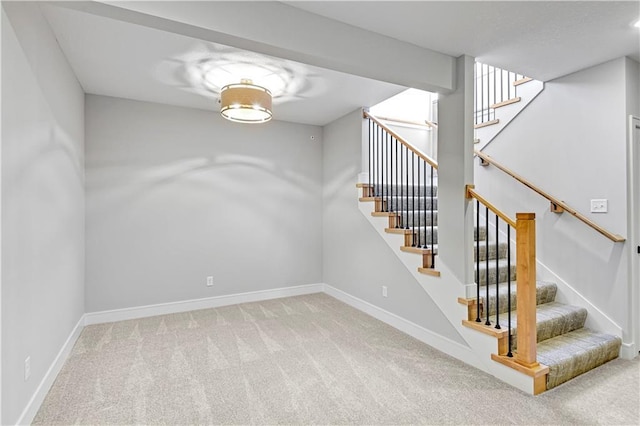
column 433, row 254
column 488, row 100
column 424, row 183
column 406, row 188
column 388, row 168
column 401, row 190
column 422, row 196
column 380, row 163
column 390, row 142
column 413, row 197
column 481, row 93
column 512, row 88
column 486, row 242
column 375, row 160
column 398, row 218
column 509, row 353
column 370, row 157
column 494, row 91
column 501, row 85
column 497, row 274
column 478, row 261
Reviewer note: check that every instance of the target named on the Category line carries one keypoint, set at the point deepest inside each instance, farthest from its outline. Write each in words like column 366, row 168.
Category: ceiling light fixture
column 245, row 102
column 637, row 24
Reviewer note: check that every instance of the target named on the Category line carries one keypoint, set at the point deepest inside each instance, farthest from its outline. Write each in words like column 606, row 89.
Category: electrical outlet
column 599, row 206
column 384, row 291
column 27, row 368
column 209, row 281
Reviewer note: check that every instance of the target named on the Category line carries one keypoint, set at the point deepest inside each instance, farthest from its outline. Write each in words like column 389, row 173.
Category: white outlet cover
column 599, row 206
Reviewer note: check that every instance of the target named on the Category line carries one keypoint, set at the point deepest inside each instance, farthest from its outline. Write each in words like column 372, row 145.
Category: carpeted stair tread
column 545, row 293
column 576, row 352
column 552, row 319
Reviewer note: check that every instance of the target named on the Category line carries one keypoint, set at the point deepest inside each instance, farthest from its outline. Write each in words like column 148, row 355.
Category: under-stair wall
column 357, row 262
column 571, row 142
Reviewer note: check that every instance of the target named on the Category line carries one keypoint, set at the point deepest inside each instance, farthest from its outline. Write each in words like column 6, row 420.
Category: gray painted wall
column 42, row 202
column 355, row 259
column 571, row 142
column 175, row 195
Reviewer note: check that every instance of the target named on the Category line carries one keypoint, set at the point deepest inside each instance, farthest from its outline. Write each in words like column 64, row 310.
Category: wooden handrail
column 471, row 193
column 401, row 121
column 557, row 204
column 433, row 163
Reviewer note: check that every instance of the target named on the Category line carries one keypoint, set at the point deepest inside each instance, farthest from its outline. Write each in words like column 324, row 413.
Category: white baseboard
column 628, row 351
column 195, row 304
column 414, row 330
column 36, row 400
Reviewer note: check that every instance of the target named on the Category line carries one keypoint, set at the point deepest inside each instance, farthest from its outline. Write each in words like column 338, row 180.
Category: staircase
column 564, row 345
column 565, row 348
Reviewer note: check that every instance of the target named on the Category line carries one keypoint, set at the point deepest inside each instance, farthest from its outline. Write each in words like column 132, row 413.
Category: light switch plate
column 599, row 206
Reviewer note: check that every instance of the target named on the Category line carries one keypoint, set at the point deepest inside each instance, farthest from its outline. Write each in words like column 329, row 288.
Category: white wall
column 355, row 259
column 571, row 142
column 175, row 195
column 42, row 203
column 632, row 93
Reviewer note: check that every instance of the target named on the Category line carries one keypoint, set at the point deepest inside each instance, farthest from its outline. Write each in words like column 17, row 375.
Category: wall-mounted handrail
column 557, row 205
column 433, row 163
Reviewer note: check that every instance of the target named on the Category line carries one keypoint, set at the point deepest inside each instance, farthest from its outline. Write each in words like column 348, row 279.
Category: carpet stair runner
column 564, row 344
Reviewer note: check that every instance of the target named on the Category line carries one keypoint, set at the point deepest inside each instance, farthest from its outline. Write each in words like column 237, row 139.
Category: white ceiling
column 541, row 39
column 115, row 58
column 544, row 40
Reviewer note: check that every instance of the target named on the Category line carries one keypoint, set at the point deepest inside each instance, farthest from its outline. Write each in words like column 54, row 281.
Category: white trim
column 195, row 304
column 596, row 319
column 414, row 330
column 36, row 400
column 628, row 351
column 633, row 236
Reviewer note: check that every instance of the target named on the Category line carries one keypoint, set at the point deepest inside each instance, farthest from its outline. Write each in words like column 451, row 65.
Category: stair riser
column 544, row 294
column 396, row 190
column 403, row 203
column 499, row 276
column 423, row 234
column 418, row 218
column 495, row 251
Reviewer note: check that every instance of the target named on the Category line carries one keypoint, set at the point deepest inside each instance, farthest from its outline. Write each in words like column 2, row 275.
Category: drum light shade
column 245, row 102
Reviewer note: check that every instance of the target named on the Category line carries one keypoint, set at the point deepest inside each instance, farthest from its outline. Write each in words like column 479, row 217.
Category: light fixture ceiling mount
column 246, row 102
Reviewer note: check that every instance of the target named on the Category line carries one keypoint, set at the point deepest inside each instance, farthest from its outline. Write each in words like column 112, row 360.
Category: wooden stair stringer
column 445, row 290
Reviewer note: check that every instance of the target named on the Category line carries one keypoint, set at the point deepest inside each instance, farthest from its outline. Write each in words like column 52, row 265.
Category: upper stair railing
column 494, row 87
column 557, row 206
column 401, row 181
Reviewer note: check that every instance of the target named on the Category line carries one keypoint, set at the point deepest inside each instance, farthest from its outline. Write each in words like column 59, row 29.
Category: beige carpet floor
column 304, row 360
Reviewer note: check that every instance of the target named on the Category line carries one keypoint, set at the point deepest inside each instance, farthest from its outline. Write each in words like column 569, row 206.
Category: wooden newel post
column 526, row 288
